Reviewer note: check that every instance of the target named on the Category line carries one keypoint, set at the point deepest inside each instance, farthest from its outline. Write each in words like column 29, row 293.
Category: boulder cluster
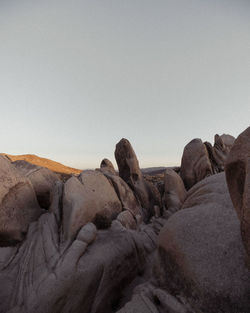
column 200, row 159
column 108, row 241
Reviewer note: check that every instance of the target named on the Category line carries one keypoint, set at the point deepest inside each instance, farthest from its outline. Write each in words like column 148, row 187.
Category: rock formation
column 91, row 198
column 238, row 179
column 201, row 255
column 105, row 245
column 42, row 179
column 107, row 166
column 219, row 152
column 195, row 163
column 174, row 190
column 18, row 204
column 222, row 147
column 125, row 194
column 200, row 160
column 130, row 172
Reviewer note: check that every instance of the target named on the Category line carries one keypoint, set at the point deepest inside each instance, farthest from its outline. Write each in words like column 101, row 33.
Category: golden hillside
column 50, row 164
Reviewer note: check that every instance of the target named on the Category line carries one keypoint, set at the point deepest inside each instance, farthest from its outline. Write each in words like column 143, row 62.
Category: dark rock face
column 130, row 172
column 149, row 299
column 195, row 163
column 18, row 204
column 238, row 179
column 125, row 194
column 201, row 255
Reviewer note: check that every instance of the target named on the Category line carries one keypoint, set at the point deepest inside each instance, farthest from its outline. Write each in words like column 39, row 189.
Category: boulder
column 42, row 179
column 107, row 166
column 195, row 163
column 200, row 251
column 238, row 180
column 18, row 204
column 174, row 190
column 91, row 198
column 44, row 275
column 130, row 172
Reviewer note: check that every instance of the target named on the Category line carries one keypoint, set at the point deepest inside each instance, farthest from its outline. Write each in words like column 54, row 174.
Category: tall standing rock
column 130, row 172
column 107, row 166
column 238, row 180
column 195, row 163
column 18, row 204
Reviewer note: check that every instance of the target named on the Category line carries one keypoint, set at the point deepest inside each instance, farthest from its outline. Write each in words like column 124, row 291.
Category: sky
column 77, row 76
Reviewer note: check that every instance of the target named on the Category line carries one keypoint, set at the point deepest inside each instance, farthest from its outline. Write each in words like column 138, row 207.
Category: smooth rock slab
column 87, row 198
column 201, row 255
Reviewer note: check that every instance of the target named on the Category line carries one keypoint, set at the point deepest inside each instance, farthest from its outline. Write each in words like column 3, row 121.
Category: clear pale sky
column 77, row 76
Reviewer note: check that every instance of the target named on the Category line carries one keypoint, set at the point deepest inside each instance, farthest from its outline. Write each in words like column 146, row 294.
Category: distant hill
column 50, row 164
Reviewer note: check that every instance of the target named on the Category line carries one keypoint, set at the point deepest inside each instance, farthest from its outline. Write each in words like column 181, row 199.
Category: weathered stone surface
column 125, row 194
column 219, row 152
column 195, row 163
column 107, row 166
column 127, row 219
column 88, row 233
column 222, row 147
column 46, row 276
column 175, row 192
column 201, row 255
column 130, row 172
column 149, row 299
column 213, row 160
column 238, row 180
column 42, row 179
column 18, row 204
column 56, row 200
column 87, row 199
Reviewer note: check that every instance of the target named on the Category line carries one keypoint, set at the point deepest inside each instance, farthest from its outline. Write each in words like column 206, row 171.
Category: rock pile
column 105, row 241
